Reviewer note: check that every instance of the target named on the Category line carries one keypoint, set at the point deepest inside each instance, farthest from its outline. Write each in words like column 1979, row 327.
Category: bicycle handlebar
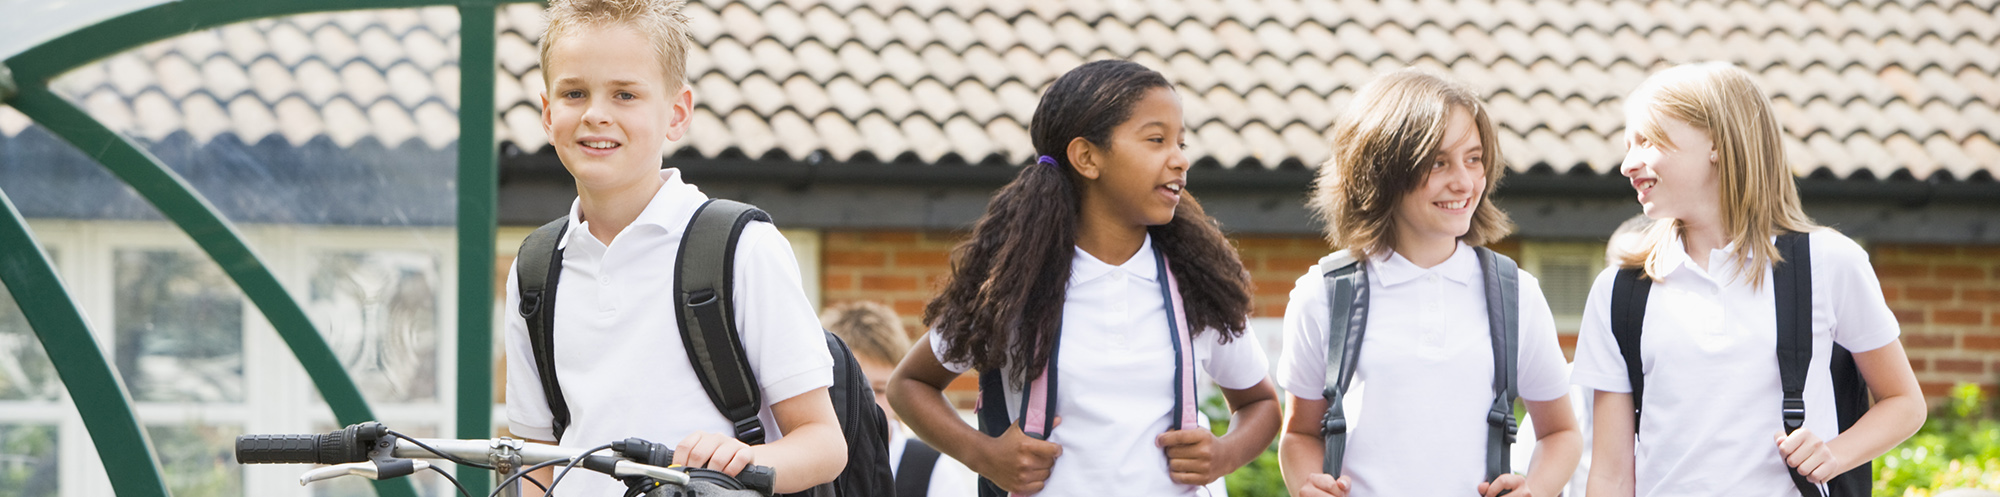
column 356, row 443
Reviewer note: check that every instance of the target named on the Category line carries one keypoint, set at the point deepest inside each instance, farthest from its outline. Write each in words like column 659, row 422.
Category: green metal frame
column 120, row 440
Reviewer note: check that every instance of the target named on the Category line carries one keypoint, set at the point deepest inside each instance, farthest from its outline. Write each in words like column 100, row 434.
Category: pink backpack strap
column 1035, row 411
column 1184, row 373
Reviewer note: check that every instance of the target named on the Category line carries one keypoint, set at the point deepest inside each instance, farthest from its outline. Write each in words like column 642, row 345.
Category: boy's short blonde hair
column 659, row 20
column 871, row 329
column 1383, row 145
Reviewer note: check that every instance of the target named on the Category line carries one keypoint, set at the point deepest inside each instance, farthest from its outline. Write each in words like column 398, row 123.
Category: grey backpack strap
column 706, row 313
column 1347, row 317
column 537, row 267
column 1503, row 317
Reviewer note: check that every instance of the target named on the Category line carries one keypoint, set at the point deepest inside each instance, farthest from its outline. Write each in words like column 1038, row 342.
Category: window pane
column 199, row 460
column 180, row 327
column 28, row 460
column 379, row 312
column 25, row 370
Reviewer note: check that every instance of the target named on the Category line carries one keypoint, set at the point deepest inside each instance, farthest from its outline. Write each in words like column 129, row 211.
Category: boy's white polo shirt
column 1709, row 349
column 1115, row 379
column 623, row 368
column 1417, row 405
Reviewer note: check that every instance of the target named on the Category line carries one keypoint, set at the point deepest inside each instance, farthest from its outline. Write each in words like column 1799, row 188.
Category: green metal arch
column 113, row 426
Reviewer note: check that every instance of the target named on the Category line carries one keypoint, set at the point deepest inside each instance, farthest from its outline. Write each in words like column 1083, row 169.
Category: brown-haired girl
column 1407, row 193
column 1068, row 284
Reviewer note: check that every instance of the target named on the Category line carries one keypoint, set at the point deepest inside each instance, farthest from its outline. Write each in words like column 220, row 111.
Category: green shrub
column 1958, row 447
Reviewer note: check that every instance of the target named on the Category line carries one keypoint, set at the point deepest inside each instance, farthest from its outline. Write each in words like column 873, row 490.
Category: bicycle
column 373, row 451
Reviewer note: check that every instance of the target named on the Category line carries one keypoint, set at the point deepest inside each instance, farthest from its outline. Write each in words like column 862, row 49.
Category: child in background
column 876, row 335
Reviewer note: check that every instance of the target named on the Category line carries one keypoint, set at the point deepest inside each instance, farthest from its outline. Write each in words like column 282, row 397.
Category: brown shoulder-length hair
column 1382, row 148
column 1002, row 305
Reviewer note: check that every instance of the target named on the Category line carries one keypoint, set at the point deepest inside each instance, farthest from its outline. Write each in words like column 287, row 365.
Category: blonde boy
column 616, row 96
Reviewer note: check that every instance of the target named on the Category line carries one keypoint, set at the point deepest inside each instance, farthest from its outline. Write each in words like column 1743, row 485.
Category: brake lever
column 374, row 470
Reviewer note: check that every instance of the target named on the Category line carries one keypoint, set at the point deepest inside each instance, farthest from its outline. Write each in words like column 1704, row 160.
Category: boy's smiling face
column 609, row 109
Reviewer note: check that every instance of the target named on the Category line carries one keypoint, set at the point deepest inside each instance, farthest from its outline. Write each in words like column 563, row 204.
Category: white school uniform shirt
column 618, row 350
column 1709, row 350
column 949, row 478
column 1115, row 379
column 1419, row 425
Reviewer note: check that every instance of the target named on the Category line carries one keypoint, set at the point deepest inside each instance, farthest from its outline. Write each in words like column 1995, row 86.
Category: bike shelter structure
column 103, row 401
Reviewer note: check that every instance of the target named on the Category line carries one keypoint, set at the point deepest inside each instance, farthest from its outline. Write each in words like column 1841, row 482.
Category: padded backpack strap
column 913, row 473
column 1347, row 317
column 1792, row 289
column 1184, row 397
column 1503, row 317
column 1628, row 317
column 537, row 267
column 706, row 313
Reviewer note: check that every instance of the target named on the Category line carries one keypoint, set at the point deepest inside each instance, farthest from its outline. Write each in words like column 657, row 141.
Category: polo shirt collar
column 1392, row 269
column 669, row 210
column 1084, row 267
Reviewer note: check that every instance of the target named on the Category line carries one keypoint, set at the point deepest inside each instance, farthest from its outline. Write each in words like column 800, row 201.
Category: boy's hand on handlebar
column 1510, row 485
column 1325, row 485
column 1190, row 455
column 1019, row 463
column 714, row 451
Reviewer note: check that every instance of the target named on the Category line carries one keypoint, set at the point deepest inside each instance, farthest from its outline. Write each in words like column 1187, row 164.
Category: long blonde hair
column 1382, row 147
column 1758, row 196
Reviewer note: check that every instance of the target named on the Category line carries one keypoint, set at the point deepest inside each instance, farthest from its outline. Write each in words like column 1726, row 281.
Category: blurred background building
column 874, row 132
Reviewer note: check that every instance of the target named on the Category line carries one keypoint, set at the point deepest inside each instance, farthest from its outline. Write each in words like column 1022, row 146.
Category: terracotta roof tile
column 1876, row 86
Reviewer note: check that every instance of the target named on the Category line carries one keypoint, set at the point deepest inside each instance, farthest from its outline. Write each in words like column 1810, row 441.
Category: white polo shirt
column 1709, row 349
column 623, row 368
column 1416, row 410
column 1115, row 377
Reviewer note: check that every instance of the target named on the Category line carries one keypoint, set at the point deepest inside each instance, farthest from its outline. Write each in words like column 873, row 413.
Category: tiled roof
column 1876, row 88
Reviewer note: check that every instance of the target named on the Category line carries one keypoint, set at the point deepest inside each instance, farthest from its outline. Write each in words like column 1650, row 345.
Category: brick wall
column 1948, row 300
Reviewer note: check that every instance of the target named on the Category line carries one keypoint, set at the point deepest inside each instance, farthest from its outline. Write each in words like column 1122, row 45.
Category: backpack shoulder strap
column 1628, row 316
column 1792, row 289
column 538, row 266
column 1503, row 316
column 913, row 473
column 1347, row 295
column 707, row 316
column 1185, row 409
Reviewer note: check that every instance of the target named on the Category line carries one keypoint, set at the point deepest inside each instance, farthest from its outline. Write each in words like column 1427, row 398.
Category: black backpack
column 913, row 473
column 1792, row 289
column 1347, row 295
column 705, row 312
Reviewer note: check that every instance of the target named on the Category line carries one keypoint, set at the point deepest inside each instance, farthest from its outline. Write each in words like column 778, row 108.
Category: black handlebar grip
column 760, row 478
column 278, row 449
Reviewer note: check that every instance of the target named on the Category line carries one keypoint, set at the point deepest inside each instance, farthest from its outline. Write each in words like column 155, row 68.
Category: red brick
column 1889, row 271
column 837, row 282
column 1982, row 342
column 1973, row 366
column 1958, row 316
column 842, row 238
column 1936, row 388
column 1908, row 317
column 1936, row 250
column 1892, row 293
column 1928, row 341
column 1917, row 365
column 855, row 258
column 1270, row 310
column 1293, row 266
column 1979, row 294
column 922, row 258
column 910, row 307
column 897, row 237
column 1980, row 251
column 888, row 283
column 1927, row 293
column 1961, row 272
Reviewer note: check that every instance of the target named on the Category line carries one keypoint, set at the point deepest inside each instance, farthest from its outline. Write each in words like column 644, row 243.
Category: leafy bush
column 1958, row 447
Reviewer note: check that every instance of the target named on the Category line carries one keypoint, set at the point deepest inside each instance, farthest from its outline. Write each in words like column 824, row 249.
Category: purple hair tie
column 1051, row 161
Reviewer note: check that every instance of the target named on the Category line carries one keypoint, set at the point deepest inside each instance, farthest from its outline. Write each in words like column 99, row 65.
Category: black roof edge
column 817, row 169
